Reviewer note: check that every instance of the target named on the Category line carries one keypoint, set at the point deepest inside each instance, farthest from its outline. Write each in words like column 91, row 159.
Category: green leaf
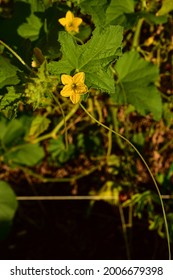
column 117, row 10
column 85, row 33
column 93, row 58
column 3, row 125
column 96, row 9
column 136, row 78
column 100, row 80
column 71, row 51
column 10, row 102
column 8, row 73
column 14, row 131
column 8, row 203
column 38, row 126
column 107, row 191
column 60, row 67
column 58, row 151
column 153, row 19
column 26, row 154
column 31, row 29
column 8, row 207
column 102, row 48
column 167, row 6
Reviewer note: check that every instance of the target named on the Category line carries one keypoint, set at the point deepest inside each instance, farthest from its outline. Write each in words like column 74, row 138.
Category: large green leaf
column 100, row 80
column 8, row 73
column 38, row 126
column 71, row 51
column 31, row 29
column 26, row 154
column 92, row 58
column 117, row 11
column 13, row 132
column 103, row 47
column 8, row 207
column 167, row 6
column 96, row 9
column 8, row 203
column 136, row 84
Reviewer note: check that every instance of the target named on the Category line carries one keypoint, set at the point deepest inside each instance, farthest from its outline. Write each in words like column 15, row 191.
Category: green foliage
column 141, row 201
column 96, row 9
column 8, row 207
column 58, row 151
column 31, row 29
column 97, row 53
column 118, row 10
column 167, row 6
column 13, row 148
column 136, row 79
column 39, row 90
column 9, row 103
column 108, row 191
column 8, row 73
column 26, row 154
column 38, row 126
column 12, row 132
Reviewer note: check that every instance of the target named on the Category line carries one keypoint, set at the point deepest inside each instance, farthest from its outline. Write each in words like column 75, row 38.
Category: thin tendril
column 16, row 55
column 65, row 125
column 146, row 165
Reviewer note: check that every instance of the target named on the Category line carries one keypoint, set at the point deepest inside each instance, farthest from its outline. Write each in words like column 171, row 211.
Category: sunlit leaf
column 167, row 6
column 103, row 47
column 108, row 192
column 136, row 84
column 38, row 126
column 92, row 58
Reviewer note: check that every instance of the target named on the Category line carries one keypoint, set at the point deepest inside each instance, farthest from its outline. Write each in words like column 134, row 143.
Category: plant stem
column 16, row 55
column 68, row 179
column 124, row 231
column 53, row 133
column 136, row 37
column 109, row 144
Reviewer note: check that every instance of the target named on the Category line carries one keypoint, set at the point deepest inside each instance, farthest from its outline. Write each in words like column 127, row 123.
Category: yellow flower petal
column 75, row 98
column 79, row 78
column 62, row 21
column 70, row 22
column 67, row 91
column 77, row 21
column 82, row 89
column 66, row 79
column 69, row 16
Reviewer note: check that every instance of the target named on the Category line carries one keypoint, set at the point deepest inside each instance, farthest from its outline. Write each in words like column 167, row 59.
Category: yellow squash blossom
column 70, row 22
column 74, row 86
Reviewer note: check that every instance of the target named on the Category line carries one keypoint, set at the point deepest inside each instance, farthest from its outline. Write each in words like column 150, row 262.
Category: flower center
column 70, row 24
column 74, row 86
